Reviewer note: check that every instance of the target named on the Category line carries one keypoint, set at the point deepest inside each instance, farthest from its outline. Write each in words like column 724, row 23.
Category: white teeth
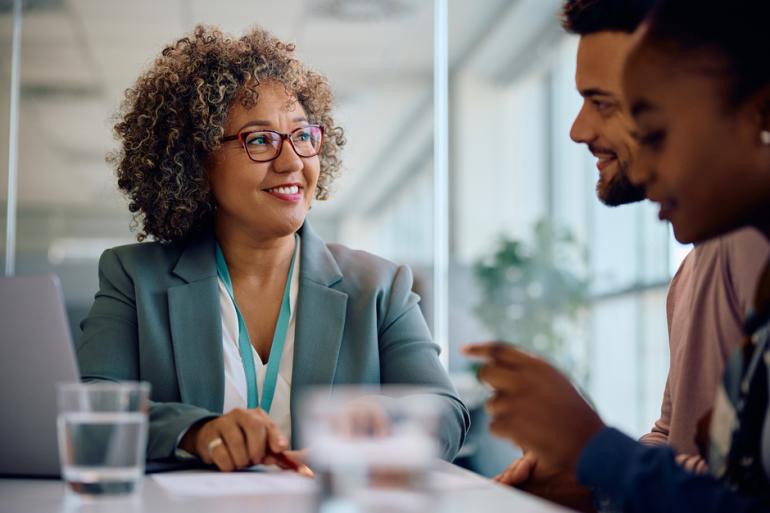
column 291, row 189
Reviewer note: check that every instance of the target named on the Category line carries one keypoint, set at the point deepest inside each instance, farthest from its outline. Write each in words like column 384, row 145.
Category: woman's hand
column 238, row 439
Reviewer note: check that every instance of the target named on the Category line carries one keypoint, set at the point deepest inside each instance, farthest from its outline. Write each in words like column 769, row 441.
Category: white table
column 471, row 493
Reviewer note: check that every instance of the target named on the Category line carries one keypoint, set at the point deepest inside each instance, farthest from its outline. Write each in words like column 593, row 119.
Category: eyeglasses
column 266, row 145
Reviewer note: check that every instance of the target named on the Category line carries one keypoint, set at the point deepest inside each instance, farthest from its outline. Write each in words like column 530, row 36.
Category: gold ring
column 215, row 443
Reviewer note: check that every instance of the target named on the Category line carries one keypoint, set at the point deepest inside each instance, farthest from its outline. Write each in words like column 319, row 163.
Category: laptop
column 36, row 353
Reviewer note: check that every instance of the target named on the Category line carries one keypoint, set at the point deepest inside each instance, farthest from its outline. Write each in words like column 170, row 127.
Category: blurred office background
column 511, row 165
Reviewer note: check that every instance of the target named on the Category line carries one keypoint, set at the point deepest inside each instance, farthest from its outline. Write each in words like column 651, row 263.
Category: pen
column 284, row 461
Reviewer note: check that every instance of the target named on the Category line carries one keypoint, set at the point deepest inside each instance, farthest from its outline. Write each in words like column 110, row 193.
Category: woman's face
column 700, row 159
column 266, row 199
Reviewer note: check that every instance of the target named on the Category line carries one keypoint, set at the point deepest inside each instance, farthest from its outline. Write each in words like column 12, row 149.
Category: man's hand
column 692, row 463
column 535, row 405
column 519, row 471
column 551, row 484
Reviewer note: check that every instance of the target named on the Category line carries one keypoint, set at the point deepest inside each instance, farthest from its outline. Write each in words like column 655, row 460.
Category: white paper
column 210, row 484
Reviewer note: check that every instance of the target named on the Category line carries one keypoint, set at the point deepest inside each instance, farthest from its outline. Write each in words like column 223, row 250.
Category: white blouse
column 236, row 395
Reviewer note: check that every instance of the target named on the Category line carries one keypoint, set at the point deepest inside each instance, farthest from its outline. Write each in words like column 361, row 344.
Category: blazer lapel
column 320, row 319
column 196, row 329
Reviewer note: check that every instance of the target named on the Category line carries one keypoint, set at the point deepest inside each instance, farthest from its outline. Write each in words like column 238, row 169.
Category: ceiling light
column 363, row 10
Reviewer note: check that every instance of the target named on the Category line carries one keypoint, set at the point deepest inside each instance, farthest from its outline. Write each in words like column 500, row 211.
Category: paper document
column 207, row 484
column 202, row 484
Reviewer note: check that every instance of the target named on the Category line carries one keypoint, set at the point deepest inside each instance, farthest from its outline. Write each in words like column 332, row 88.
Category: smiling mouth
column 288, row 192
column 604, row 160
column 284, row 189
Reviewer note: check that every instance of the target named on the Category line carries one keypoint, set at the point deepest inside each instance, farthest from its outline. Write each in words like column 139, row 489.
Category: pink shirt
column 707, row 301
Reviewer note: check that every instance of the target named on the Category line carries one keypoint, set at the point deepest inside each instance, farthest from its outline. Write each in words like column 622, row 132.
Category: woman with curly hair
column 237, row 305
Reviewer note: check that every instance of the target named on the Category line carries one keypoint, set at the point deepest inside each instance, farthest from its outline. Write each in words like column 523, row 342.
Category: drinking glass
column 371, row 449
column 102, row 431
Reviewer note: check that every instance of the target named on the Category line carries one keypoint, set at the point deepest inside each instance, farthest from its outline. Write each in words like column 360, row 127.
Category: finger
column 684, row 461
column 300, row 455
column 254, row 430
column 508, row 471
column 276, row 440
column 691, row 462
column 483, row 350
column 235, row 442
column 522, row 472
column 499, row 352
column 220, row 456
column 205, row 436
column 500, row 377
column 696, row 461
column 504, row 476
column 502, row 403
column 508, row 477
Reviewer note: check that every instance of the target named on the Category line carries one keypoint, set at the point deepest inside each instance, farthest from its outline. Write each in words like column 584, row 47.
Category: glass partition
column 6, row 49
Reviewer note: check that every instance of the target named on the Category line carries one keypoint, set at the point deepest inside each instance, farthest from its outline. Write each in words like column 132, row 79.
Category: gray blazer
column 156, row 318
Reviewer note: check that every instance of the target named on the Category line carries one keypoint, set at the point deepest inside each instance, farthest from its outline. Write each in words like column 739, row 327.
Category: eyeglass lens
column 264, row 144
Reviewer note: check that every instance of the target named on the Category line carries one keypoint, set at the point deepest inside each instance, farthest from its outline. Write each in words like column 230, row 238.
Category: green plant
column 532, row 294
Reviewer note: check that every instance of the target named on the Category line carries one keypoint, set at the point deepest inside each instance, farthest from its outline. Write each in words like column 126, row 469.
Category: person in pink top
column 709, row 296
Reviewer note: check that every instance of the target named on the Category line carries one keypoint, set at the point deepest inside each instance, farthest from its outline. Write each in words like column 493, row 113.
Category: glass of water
column 372, row 449
column 102, row 429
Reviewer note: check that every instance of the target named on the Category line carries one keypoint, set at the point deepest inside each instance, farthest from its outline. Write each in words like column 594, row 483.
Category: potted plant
column 533, row 293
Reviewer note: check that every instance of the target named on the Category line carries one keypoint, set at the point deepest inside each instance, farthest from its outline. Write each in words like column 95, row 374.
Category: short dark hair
column 584, row 17
column 737, row 33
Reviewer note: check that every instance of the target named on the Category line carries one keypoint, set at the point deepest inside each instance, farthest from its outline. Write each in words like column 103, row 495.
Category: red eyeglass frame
column 241, row 136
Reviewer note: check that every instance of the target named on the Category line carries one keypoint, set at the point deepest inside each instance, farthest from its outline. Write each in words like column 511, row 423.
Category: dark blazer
column 156, row 318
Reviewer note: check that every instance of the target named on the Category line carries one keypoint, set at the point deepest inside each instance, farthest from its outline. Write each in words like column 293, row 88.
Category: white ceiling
column 78, row 56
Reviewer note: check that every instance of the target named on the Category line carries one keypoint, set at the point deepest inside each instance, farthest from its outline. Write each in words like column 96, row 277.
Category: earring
column 764, row 136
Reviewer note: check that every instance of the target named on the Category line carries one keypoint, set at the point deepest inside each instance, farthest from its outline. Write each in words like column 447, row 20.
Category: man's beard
column 619, row 190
